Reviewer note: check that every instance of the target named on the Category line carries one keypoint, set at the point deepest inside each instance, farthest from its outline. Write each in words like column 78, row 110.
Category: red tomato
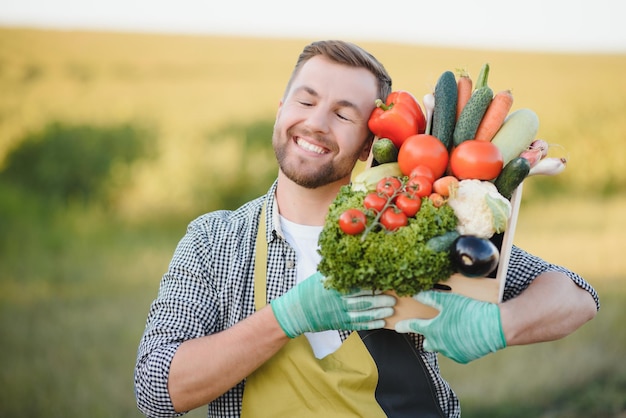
column 422, row 170
column 393, row 219
column 419, row 186
column 352, row 221
column 375, row 201
column 409, row 204
column 425, row 150
column 473, row 159
column 389, row 186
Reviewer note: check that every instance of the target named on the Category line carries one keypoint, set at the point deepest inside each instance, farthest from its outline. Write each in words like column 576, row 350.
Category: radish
column 429, row 106
column 537, row 150
column 548, row 166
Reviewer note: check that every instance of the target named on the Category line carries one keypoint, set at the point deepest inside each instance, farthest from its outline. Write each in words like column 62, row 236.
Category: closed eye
column 347, row 111
column 343, row 117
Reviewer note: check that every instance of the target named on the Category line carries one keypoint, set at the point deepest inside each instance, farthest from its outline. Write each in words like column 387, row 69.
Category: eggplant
column 473, row 256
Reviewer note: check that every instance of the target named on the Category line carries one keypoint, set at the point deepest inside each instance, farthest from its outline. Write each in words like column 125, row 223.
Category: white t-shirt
column 303, row 239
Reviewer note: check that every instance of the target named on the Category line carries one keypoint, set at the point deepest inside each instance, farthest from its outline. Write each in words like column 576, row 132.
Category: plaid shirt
column 209, row 287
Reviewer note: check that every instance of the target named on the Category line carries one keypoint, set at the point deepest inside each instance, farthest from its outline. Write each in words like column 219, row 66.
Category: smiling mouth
column 310, row 147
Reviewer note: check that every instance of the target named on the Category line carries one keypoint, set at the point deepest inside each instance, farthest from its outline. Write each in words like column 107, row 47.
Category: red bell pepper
column 398, row 118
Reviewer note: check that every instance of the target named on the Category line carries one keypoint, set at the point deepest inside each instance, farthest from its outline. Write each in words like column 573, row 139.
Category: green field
column 77, row 277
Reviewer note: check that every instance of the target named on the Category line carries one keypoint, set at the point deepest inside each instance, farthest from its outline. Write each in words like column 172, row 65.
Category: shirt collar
column 272, row 215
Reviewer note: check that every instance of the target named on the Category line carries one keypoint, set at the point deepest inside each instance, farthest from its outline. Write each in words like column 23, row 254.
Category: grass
column 72, row 315
column 75, row 285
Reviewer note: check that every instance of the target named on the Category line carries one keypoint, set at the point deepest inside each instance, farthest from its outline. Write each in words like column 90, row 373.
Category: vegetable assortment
column 437, row 194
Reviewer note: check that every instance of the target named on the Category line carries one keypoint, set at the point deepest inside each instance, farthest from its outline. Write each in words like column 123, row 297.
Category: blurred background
column 122, row 122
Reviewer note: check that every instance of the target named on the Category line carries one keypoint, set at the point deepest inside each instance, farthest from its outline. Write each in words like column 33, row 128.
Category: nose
column 318, row 119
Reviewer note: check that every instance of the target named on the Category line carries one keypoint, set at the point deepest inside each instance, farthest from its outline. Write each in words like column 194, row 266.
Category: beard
column 306, row 173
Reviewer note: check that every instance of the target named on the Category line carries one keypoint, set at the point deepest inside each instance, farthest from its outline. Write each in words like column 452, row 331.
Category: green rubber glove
column 464, row 330
column 310, row 307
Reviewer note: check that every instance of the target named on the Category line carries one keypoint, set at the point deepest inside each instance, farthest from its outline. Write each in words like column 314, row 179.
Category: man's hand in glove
column 310, row 307
column 464, row 330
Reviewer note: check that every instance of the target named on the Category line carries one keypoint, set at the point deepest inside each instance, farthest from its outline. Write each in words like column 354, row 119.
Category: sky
column 541, row 25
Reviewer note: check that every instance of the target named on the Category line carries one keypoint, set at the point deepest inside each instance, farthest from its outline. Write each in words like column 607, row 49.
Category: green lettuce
column 400, row 261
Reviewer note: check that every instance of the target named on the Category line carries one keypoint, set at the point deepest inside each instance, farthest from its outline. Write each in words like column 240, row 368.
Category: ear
column 367, row 148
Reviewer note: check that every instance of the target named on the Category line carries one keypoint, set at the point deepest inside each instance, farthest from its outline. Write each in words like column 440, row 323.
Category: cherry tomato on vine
column 409, row 204
column 474, row 159
column 423, row 149
column 393, row 219
column 352, row 221
column 419, row 186
column 389, row 186
column 375, row 201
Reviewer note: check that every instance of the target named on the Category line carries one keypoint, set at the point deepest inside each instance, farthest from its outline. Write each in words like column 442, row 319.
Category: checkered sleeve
column 207, row 288
column 180, row 312
column 524, row 268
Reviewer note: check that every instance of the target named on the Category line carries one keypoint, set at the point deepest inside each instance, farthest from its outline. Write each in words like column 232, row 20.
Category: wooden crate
column 489, row 289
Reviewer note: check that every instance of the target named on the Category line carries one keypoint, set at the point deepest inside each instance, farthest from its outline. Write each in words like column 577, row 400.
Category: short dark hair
column 348, row 54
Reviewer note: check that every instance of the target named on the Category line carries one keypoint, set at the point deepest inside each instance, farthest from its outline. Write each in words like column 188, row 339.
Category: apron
column 345, row 383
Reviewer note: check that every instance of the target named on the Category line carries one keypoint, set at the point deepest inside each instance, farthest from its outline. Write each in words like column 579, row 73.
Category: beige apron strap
column 260, row 264
column 295, row 383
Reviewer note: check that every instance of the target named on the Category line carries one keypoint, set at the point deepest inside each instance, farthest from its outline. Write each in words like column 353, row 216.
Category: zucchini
column 472, row 114
column 444, row 113
column 367, row 179
column 517, row 132
column 511, row 176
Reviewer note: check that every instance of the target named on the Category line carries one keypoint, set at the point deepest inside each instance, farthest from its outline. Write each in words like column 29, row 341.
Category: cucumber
column 511, row 176
column 483, row 76
column 442, row 242
column 518, row 131
column 384, row 151
column 444, row 113
column 472, row 114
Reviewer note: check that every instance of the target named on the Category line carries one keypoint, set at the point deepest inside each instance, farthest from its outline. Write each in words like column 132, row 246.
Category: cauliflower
column 480, row 209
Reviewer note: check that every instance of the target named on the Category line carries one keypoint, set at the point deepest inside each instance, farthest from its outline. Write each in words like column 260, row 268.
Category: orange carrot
column 494, row 116
column 437, row 199
column 464, row 91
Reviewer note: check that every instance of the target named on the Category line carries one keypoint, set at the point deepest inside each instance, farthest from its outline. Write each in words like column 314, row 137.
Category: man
column 243, row 323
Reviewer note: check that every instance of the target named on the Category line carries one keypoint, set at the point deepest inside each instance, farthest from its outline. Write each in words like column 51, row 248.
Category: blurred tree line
column 83, row 166
column 73, row 163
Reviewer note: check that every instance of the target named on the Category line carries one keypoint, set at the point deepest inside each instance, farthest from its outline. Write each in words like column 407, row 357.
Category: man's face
column 321, row 127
